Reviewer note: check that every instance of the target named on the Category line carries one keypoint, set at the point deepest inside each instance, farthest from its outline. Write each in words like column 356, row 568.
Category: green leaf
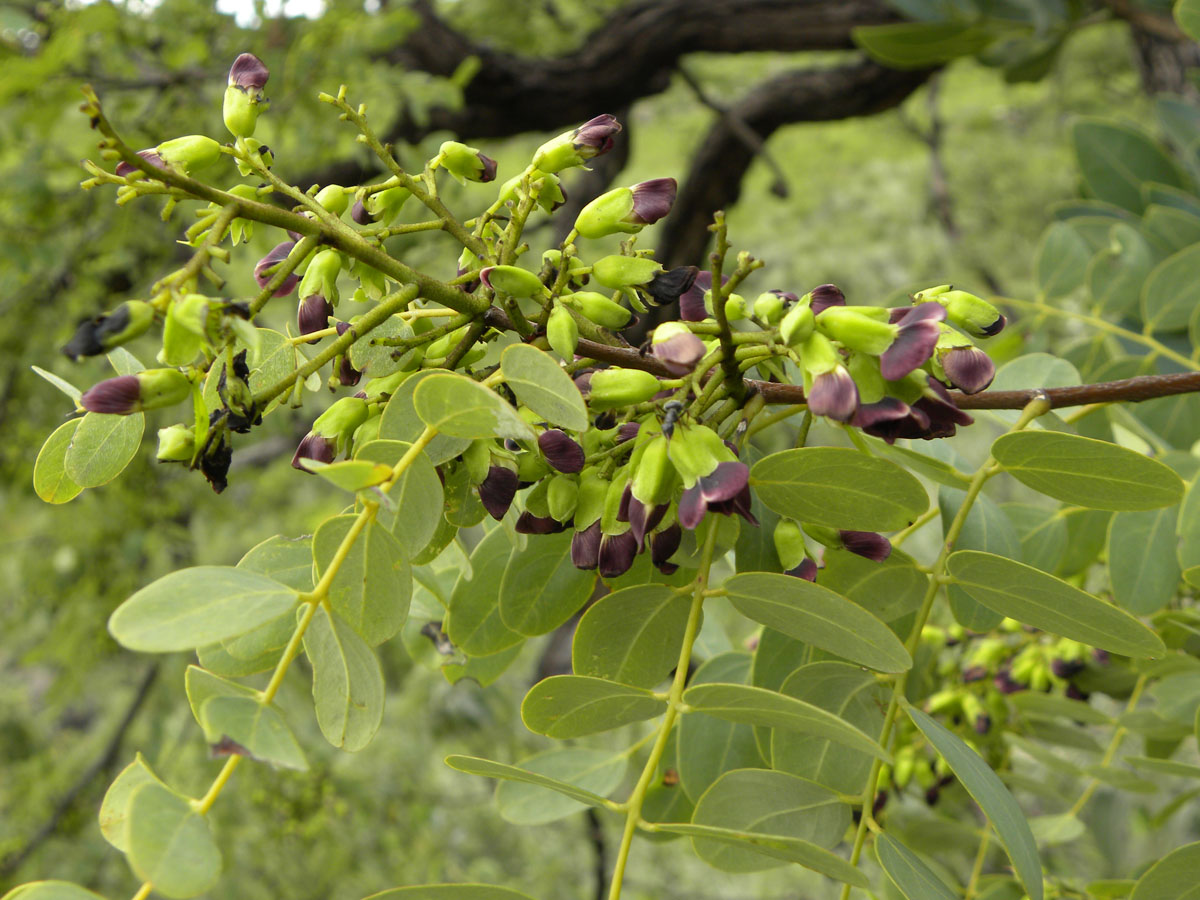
column 124, row 362
column 758, row 801
column 1175, row 229
column 704, row 749
column 567, row 706
column 1115, row 159
column 1086, row 533
column 1110, row 888
column 908, row 872
column 287, row 560
column 463, row 507
column 839, row 488
column 1031, row 596
column 102, row 446
column 375, row 359
column 198, row 606
column 115, row 808
column 542, row 385
column 400, row 422
column 888, row 589
column 1172, row 291
column 462, row 407
column 170, row 844
column 1052, row 830
column 632, row 636
column 488, row 769
column 993, row 798
column 1164, row 766
column 1116, row 274
column 1033, row 370
column 50, row 890
column 373, row 587
column 1188, row 527
column 1142, row 566
column 256, row 727
column 1187, row 14
column 200, row 685
column 450, row 892
column 50, row 479
column 348, row 684
column 758, row 706
column 935, row 470
column 987, row 528
column 915, row 45
column 597, row 771
column 474, row 623
column 1171, row 878
column 349, row 474
column 851, row 694
column 61, row 383
column 1052, row 706
column 818, row 616
column 1086, row 472
column 417, row 495
column 541, row 588
column 1060, row 263
column 1042, row 533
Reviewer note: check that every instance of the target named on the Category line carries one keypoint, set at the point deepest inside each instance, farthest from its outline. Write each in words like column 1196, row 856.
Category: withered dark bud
column 867, row 544
column 215, row 459
column 102, row 333
column 560, row 451
column 667, row 287
column 497, row 491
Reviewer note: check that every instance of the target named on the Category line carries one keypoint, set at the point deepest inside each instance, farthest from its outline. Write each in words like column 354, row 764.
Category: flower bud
column 109, row 330
column 768, row 306
column 806, row 569
column 466, row 163
column 624, row 271
column 599, row 309
column 972, row 314
column 264, row 269
column 176, row 443
column 190, row 153
column 385, row 205
column 962, row 364
column 677, row 348
column 313, row 314
column 589, row 504
column 339, row 421
column 560, row 451
column 855, row 328
column 693, row 453
column 574, row 148
column 663, row 546
column 562, row 333
column 735, row 308
column 627, row 210
column 244, row 99
column 127, row 394
column 824, row 296
column 125, row 169
column 321, row 276
column 314, row 446
column 615, row 387
column 528, row 523
column 497, row 490
column 651, row 472
column 585, row 547
column 185, row 331
column 334, row 198
column 512, row 280
column 789, row 544
column 796, row 326
column 617, row 552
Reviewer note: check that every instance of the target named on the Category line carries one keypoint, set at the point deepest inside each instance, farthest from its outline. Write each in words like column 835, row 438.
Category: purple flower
column 489, row 169
column 348, row 376
column 120, row 396
column 313, row 313
column 528, row 523
column 722, row 485
column 627, row 431
column 691, row 301
column 834, row 394
column 595, row 136
column 667, row 287
column 497, row 491
column 652, row 200
column 867, row 544
column 362, row 215
column 248, row 72
column 974, row 673
column 263, row 270
column 314, row 446
column 663, row 546
column 967, row 368
column 677, row 348
column 585, row 547
column 914, row 342
column 807, row 569
column 150, row 156
column 642, row 519
column 560, row 451
column 825, row 296
column 616, row 554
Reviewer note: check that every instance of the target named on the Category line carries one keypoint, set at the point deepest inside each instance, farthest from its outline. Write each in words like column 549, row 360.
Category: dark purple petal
column 121, row 396
column 585, row 547
column 692, row 507
column 691, row 301
column 313, row 314
column 664, row 544
column 262, row 270
column 666, row 287
column 528, row 523
column 652, row 200
column 834, row 394
column 786, row 296
column 560, row 451
column 595, row 136
column 314, row 447
column 616, row 554
column 679, row 353
column 974, row 673
column 637, row 520
column 867, row 544
column 623, row 506
column 1006, row 684
column 995, row 328
column 655, row 516
column 627, row 431
column 150, row 156
column 360, row 214
column 806, row 570
column 943, row 414
column 724, row 482
column 739, row 505
column 583, row 381
column 968, row 368
column 913, row 345
column 248, row 72
column 347, row 374
column 497, row 491
column 922, row 312
column 489, row 168
column 887, row 409
column 825, row 296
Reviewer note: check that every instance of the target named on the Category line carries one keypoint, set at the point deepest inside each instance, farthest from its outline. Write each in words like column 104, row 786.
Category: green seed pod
column 562, row 333
column 789, row 544
column 334, row 198
column 191, row 153
column 562, row 494
column 600, row 309
column 797, row 325
column 478, row 459
column 513, row 280
column 321, row 276
column 589, row 502
column 616, row 272
column 621, row 387
column 651, row 473
column 176, row 443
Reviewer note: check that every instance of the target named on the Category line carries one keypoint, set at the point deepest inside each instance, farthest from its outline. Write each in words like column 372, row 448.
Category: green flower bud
column 735, row 308
column 176, row 443
column 694, row 454
column 864, row 370
column 789, row 544
column 185, row 331
column 624, row 271
column 466, row 163
column 254, row 147
column 101, row 334
column 532, row 467
column 190, row 153
column 240, row 112
column 768, row 306
column 385, row 205
column 334, row 198
column 562, row 333
column 599, row 309
column 512, row 280
column 609, row 522
column 339, row 422
column 627, row 210
column 797, row 325
column 321, row 276
column 589, row 502
column 818, row 355
column 857, row 331
column 615, row 387
column 972, row 314
column 562, row 494
column 478, row 459
column 162, row 387
column 931, row 293
column 574, row 148
column 651, row 472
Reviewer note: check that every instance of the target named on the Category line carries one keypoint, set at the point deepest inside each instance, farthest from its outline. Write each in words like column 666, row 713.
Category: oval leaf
column 373, row 587
column 1087, row 472
column 115, row 807
column 50, row 890
column 1172, row 291
column 818, row 616
column 416, row 498
column 908, row 872
column 198, row 606
column 258, row 729
column 839, row 488
column 632, row 636
column 1171, row 878
column 473, row 765
column 400, row 421
column 462, row 407
column 542, row 385
column 541, row 588
column 597, row 771
column 705, row 750
column 348, row 684
column 50, row 479
column 1115, row 159
column 1031, row 596
column 567, row 706
column 474, row 624
column 102, row 446
column 170, row 844
column 1142, row 564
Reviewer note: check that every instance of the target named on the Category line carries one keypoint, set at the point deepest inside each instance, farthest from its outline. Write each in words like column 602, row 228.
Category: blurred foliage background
column 952, row 185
